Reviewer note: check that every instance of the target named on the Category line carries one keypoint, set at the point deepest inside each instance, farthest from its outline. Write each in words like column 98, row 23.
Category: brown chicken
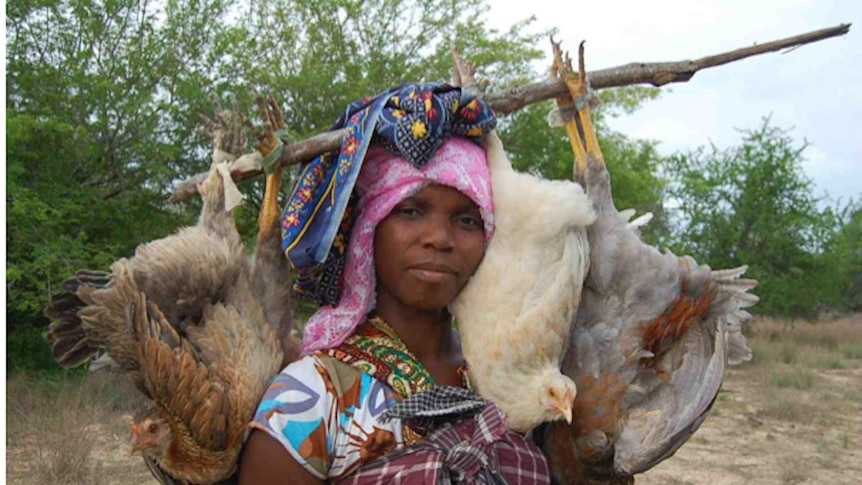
column 651, row 338
column 200, row 328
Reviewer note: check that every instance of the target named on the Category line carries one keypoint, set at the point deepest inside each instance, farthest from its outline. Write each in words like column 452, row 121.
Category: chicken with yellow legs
column 199, row 327
column 652, row 336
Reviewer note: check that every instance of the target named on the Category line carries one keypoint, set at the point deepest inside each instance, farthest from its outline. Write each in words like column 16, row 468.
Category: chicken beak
column 567, row 413
column 135, row 441
column 565, row 407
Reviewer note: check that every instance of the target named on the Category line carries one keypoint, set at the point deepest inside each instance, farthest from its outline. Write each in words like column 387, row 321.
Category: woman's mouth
column 433, row 273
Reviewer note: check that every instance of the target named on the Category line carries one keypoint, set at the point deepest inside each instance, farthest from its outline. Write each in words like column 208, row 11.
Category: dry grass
column 55, row 424
column 852, row 351
column 795, row 377
column 785, row 410
column 792, row 350
column 809, row 344
column 794, row 357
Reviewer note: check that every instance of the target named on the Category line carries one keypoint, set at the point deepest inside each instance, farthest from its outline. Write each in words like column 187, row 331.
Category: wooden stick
column 509, row 100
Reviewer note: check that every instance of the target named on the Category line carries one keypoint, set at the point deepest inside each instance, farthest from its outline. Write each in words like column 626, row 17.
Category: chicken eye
column 152, row 428
column 551, row 392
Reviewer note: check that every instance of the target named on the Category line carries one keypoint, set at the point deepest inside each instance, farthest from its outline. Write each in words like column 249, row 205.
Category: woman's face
column 427, row 248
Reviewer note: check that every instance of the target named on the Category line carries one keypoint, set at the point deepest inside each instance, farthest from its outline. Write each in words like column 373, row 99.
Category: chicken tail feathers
column 70, row 344
column 733, row 298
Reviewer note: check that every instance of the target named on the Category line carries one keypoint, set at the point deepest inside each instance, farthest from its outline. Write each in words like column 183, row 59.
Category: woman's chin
column 431, row 302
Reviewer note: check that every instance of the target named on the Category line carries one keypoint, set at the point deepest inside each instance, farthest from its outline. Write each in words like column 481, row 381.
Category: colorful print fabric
column 376, row 349
column 327, row 415
column 412, row 120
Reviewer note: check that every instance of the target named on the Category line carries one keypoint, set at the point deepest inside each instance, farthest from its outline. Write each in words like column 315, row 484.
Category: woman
column 424, row 214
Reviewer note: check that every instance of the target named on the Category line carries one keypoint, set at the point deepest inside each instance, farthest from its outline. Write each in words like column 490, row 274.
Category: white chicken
column 514, row 314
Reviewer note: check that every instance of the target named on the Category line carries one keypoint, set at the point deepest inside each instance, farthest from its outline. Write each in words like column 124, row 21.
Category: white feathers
column 639, row 221
column 224, row 162
column 514, row 314
column 232, row 195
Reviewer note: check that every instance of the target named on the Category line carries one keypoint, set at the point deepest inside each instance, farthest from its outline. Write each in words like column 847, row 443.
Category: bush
column 752, row 204
column 27, row 350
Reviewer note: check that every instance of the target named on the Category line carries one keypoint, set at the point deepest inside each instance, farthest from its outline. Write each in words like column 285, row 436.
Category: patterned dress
column 325, row 413
column 325, row 408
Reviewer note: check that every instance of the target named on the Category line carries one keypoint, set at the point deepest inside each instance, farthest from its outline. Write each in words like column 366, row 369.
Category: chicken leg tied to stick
column 652, row 335
column 270, row 268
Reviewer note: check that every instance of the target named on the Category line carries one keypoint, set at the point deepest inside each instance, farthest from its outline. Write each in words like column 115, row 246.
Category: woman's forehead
column 443, row 195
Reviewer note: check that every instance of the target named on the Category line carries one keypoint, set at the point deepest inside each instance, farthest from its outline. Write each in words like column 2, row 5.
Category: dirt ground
column 791, row 416
column 751, row 439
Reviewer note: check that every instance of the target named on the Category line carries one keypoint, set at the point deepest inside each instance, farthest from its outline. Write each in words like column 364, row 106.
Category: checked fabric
column 476, row 450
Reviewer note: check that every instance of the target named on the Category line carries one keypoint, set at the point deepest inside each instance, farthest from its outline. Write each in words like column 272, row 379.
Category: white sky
column 815, row 90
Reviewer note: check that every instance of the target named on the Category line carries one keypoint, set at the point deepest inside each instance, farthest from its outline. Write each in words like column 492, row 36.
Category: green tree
column 634, row 164
column 101, row 118
column 752, row 204
column 103, row 99
column 317, row 56
column 851, row 248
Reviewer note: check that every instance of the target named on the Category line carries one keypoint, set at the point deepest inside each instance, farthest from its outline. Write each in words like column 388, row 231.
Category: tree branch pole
column 509, row 100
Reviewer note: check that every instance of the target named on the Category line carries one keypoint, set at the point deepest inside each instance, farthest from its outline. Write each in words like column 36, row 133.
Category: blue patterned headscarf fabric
column 411, row 120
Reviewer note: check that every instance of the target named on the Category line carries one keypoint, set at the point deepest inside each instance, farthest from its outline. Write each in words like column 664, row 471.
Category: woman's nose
column 437, row 233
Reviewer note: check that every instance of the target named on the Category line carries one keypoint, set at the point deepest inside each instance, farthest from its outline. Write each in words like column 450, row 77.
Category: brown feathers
column 188, row 319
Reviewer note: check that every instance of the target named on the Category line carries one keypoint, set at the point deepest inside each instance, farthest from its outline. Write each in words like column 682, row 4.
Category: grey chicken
column 199, row 327
column 652, row 335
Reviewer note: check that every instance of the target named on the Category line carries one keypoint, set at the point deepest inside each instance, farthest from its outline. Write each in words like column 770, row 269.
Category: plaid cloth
column 434, row 406
column 479, row 450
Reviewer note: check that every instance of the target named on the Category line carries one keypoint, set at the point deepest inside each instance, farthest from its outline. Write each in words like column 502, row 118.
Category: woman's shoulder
column 306, row 388
column 323, row 411
column 322, row 373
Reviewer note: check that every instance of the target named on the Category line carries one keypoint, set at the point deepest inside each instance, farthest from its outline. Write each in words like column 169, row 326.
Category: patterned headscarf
column 412, row 120
column 386, row 180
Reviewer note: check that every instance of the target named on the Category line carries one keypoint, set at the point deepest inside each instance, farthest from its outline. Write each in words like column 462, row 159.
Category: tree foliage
column 103, row 98
column 849, row 244
column 99, row 123
column 752, row 204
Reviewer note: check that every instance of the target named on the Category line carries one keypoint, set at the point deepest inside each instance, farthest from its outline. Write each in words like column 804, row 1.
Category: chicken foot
column 271, row 271
column 575, row 108
column 226, row 128
column 273, row 122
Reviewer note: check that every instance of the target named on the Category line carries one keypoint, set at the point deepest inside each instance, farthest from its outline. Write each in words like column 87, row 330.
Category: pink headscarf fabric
column 385, row 180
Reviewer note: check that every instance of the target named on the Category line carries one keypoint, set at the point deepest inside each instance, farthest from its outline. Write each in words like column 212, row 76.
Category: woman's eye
column 470, row 221
column 408, row 211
